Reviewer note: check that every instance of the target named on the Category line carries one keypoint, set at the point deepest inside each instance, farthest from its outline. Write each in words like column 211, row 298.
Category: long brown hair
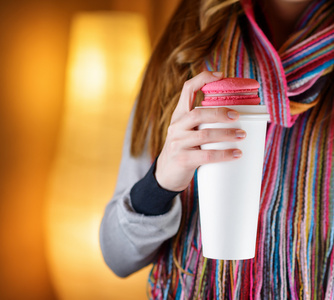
column 190, row 36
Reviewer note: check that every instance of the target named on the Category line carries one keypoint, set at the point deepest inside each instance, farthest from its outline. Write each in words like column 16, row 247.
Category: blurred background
column 70, row 71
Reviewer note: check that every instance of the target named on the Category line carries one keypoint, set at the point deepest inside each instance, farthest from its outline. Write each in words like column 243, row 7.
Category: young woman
column 288, row 46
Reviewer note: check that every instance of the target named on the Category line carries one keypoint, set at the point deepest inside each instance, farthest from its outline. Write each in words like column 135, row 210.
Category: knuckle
column 171, row 130
column 206, row 72
column 183, row 161
column 227, row 132
column 187, row 85
column 208, row 156
column 216, row 113
column 174, row 146
column 219, row 114
column 194, row 116
column 223, row 155
column 203, row 135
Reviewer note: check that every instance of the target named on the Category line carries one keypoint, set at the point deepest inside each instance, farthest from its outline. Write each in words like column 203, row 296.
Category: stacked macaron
column 231, row 91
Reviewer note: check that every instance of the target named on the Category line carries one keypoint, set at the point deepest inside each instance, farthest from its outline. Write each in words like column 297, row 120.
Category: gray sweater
column 129, row 240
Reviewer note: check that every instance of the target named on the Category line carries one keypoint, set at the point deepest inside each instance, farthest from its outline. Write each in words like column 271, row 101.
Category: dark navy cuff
column 150, row 199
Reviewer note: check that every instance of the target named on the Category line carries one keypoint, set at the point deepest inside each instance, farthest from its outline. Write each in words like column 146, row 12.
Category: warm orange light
column 88, row 74
column 108, row 52
column 87, row 70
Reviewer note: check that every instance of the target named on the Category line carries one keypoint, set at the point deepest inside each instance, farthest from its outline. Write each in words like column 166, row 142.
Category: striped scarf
column 295, row 242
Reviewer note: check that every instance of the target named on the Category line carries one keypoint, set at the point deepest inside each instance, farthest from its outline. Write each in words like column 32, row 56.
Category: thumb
column 191, row 87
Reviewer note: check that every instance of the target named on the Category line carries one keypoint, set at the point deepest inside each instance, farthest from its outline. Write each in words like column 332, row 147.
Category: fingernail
column 237, row 153
column 240, row 133
column 232, row 114
column 217, row 74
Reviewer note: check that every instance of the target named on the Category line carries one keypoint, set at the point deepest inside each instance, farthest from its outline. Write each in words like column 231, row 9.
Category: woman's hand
column 181, row 154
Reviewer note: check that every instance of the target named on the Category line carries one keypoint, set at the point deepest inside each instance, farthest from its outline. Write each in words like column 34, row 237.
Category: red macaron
column 231, row 91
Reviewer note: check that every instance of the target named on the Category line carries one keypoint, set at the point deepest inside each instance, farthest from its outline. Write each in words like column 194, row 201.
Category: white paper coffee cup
column 229, row 192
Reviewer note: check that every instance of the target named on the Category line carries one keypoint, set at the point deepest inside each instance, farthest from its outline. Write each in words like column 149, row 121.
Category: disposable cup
column 229, row 192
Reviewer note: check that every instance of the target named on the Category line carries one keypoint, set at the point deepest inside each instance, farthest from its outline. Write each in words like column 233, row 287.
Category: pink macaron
column 231, row 91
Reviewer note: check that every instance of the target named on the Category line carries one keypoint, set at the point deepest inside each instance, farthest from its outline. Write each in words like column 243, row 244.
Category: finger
column 208, row 115
column 212, row 156
column 205, row 136
column 190, row 88
column 196, row 138
column 197, row 158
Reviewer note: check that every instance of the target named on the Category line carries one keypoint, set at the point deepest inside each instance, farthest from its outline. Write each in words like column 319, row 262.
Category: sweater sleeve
column 145, row 193
column 130, row 238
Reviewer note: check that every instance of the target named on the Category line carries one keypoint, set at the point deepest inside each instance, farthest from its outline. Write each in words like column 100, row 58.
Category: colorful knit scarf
column 295, row 242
